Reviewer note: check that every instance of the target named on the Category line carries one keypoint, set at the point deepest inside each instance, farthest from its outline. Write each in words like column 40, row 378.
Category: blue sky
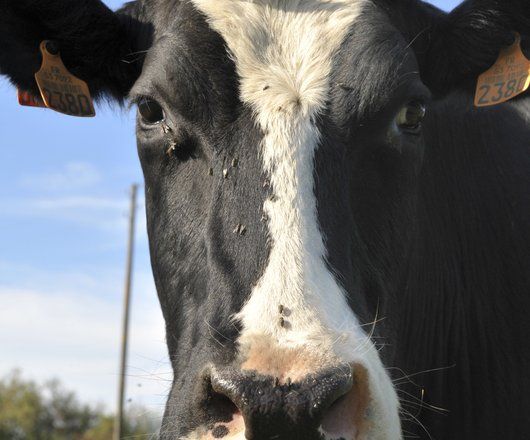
column 63, row 191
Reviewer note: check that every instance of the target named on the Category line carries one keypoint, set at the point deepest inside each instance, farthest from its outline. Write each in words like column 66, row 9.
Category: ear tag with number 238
column 509, row 77
column 60, row 90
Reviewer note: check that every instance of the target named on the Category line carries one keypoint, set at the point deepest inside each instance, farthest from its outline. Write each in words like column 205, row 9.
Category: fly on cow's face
column 171, row 149
column 166, row 128
column 240, row 229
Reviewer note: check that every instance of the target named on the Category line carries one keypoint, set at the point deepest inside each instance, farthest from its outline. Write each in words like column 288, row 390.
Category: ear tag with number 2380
column 509, row 77
column 60, row 90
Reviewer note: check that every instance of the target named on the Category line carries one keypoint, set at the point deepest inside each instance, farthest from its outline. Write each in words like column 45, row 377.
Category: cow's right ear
column 102, row 47
column 454, row 49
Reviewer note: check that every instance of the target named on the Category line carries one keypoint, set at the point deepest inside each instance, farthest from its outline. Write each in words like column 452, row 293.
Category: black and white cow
column 340, row 241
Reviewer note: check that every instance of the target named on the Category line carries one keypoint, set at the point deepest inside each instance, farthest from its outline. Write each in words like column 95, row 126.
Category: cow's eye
column 150, row 111
column 411, row 116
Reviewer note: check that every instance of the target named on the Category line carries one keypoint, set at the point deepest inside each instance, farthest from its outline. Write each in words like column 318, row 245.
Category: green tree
column 23, row 411
column 139, row 425
column 49, row 412
column 69, row 418
column 103, row 430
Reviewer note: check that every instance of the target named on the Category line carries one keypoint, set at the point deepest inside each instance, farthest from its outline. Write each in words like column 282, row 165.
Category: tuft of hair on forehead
column 282, row 49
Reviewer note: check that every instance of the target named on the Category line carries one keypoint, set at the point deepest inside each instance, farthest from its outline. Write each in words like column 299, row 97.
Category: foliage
column 29, row 411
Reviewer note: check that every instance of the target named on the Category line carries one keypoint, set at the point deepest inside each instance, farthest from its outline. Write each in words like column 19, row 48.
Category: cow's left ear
column 102, row 47
column 454, row 49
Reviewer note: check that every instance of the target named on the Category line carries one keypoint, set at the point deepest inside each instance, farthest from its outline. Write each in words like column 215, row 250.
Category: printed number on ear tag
column 509, row 77
column 60, row 90
column 28, row 99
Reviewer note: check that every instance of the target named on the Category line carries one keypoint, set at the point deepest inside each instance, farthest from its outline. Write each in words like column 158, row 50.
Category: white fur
column 283, row 50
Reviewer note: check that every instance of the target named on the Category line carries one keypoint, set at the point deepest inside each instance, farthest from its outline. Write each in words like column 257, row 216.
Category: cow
column 340, row 240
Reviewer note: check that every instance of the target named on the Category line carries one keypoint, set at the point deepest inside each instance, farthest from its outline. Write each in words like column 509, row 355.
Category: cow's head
column 281, row 142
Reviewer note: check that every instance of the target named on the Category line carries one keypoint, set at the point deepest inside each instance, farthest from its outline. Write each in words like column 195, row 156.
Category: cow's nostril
column 226, row 419
column 225, row 390
column 220, row 405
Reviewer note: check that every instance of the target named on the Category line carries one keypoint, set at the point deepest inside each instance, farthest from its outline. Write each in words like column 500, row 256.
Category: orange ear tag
column 509, row 77
column 60, row 90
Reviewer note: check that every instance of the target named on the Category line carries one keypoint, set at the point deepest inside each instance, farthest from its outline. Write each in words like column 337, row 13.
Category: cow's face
column 280, row 143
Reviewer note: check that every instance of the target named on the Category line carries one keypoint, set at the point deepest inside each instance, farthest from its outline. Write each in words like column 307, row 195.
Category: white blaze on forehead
column 283, row 51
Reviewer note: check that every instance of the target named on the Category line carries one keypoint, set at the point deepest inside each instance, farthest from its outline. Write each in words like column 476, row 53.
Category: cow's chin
column 354, row 416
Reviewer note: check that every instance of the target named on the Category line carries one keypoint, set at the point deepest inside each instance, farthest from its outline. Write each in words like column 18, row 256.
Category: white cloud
column 77, row 202
column 70, row 333
column 104, row 213
column 73, row 176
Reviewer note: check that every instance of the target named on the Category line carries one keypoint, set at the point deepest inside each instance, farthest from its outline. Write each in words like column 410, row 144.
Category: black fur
column 431, row 231
column 464, row 306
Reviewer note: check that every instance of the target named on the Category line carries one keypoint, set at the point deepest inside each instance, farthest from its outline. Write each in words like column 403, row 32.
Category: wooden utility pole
column 118, row 424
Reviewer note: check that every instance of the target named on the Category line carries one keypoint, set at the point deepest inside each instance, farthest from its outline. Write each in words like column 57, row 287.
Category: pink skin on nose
column 347, row 418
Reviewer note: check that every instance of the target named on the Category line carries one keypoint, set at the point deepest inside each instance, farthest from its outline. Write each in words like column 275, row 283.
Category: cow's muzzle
column 270, row 409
